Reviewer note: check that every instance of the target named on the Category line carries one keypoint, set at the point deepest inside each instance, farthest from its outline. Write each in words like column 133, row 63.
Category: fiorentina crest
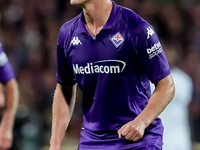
column 117, row 39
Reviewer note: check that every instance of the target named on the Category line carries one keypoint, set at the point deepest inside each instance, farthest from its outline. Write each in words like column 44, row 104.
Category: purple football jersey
column 6, row 71
column 113, row 71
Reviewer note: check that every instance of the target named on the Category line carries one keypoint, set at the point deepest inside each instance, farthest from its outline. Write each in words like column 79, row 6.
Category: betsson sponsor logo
column 99, row 67
column 154, row 50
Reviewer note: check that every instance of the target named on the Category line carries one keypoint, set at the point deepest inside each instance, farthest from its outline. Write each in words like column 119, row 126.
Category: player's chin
column 72, row 2
column 75, row 2
column 79, row 2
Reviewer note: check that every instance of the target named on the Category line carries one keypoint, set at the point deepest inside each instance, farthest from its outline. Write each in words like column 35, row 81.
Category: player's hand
column 6, row 138
column 133, row 130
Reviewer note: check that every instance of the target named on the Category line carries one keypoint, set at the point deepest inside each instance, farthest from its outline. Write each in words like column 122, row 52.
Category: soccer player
column 111, row 53
column 8, row 99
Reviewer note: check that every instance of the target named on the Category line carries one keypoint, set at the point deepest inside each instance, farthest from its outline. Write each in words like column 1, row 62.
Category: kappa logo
column 75, row 41
column 117, row 39
column 150, row 32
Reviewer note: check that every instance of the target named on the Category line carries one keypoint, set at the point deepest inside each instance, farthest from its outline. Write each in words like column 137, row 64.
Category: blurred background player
column 8, row 101
column 175, row 117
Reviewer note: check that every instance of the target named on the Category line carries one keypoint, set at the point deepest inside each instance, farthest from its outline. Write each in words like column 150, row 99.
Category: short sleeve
column 6, row 70
column 64, row 74
column 153, row 60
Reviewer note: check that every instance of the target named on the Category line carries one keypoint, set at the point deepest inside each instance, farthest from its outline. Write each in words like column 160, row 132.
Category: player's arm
column 63, row 105
column 11, row 104
column 162, row 96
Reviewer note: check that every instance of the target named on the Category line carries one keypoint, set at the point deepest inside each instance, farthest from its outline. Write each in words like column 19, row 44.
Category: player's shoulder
column 132, row 18
column 68, row 27
column 71, row 24
column 134, row 21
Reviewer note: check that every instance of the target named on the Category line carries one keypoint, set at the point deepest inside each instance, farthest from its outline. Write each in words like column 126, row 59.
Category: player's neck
column 96, row 15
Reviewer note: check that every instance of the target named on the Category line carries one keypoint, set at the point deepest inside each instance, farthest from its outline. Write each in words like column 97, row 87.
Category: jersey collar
column 113, row 17
column 109, row 24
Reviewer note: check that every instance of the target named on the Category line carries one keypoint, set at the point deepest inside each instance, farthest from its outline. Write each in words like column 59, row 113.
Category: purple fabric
column 6, row 71
column 113, row 71
column 145, row 148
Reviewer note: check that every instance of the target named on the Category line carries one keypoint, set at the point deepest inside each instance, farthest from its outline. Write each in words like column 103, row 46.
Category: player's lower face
column 78, row 2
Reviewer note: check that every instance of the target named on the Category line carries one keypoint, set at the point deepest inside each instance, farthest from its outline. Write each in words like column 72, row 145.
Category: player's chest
column 85, row 49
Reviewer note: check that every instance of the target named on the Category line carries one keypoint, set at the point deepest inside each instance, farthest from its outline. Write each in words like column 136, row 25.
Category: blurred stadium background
column 28, row 33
